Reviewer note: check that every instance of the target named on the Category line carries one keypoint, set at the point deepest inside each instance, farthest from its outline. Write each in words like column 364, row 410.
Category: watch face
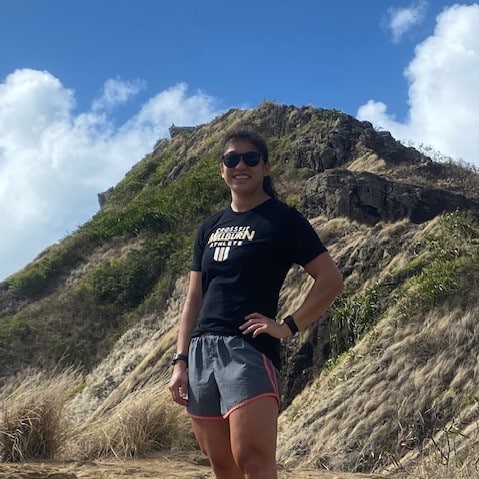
column 179, row 357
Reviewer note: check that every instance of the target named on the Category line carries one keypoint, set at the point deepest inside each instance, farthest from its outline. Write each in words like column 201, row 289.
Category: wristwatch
column 179, row 357
column 289, row 321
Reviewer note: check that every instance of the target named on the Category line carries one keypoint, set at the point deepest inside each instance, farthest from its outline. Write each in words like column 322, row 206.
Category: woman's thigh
column 253, row 431
column 213, row 436
column 214, row 439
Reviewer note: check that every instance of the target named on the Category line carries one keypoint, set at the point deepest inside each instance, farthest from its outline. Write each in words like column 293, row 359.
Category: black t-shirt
column 244, row 258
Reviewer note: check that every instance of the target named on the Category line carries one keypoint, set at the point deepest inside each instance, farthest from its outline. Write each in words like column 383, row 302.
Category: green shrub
column 14, row 330
column 126, row 281
column 448, row 261
column 352, row 316
column 293, row 200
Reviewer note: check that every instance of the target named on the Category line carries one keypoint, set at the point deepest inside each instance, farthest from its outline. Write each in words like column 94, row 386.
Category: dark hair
column 258, row 141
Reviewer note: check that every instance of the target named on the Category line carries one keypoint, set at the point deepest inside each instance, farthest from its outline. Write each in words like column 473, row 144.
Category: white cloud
column 403, row 19
column 53, row 162
column 116, row 92
column 443, row 89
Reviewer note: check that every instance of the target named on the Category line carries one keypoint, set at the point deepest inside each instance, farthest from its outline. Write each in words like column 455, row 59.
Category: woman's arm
column 328, row 283
column 194, row 298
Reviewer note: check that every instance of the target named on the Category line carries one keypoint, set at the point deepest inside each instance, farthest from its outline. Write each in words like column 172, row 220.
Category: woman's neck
column 241, row 203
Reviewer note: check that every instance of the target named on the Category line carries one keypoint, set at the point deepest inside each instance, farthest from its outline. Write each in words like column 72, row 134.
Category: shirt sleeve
column 300, row 239
column 198, row 247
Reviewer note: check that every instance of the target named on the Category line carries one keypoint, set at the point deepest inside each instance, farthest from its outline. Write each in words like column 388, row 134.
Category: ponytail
column 268, row 187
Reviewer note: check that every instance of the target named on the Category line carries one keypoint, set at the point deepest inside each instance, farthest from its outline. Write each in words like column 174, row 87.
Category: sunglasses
column 250, row 158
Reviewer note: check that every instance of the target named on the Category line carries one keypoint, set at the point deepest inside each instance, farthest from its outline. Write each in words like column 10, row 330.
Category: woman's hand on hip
column 257, row 323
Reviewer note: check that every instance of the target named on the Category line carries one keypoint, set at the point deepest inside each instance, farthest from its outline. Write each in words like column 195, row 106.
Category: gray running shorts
column 225, row 373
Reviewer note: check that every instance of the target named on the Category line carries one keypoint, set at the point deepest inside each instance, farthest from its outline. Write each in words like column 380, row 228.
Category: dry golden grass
column 36, row 421
column 370, row 162
column 125, row 409
column 394, row 393
column 33, row 422
column 145, row 421
column 142, row 353
column 451, row 453
column 404, row 399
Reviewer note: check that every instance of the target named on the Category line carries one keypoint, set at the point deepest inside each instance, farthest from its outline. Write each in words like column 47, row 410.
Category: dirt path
column 190, row 466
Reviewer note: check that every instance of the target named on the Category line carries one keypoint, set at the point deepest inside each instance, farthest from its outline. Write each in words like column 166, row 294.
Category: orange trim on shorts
column 205, row 418
column 250, row 400
column 268, row 365
column 270, row 369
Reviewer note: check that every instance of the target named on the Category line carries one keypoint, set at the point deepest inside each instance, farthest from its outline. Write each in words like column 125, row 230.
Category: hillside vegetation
column 386, row 381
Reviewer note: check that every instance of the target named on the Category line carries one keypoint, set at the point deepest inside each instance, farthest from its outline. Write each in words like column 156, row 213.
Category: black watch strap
column 289, row 321
column 179, row 357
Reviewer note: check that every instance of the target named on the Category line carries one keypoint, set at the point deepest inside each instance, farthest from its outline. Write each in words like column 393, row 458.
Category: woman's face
column 243, row 179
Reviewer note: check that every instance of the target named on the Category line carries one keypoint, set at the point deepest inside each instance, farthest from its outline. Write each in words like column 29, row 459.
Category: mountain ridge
column 402, row 227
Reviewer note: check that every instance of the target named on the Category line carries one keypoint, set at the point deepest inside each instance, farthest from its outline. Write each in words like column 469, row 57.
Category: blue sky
column 88, row 87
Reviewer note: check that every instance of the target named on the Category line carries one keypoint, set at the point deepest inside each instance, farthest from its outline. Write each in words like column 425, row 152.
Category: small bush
column 32, row 420
column 448, row 262
column 293, row 200
column 352, row 317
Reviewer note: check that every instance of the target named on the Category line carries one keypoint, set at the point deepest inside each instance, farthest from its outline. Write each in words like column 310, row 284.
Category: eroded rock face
column 369, row 198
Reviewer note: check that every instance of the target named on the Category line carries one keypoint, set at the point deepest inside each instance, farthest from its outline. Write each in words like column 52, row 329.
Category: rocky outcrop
column 369, row 198
column 179, row 130
column 103, row 196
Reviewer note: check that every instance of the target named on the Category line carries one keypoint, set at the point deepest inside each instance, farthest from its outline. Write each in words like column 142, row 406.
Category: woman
column 228, row 350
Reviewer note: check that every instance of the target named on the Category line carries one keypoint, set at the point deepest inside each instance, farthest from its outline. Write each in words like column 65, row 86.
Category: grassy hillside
column 92, row 286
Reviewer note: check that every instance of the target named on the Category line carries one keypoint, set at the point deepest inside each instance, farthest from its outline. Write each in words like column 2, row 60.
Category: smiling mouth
column 240, row 177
